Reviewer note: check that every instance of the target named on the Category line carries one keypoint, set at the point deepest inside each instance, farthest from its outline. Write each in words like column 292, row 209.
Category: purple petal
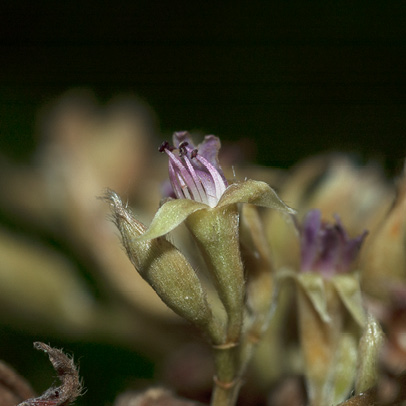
column 326, row 247
column 330, row 252
column 209, row 149
column 310, row 244
column 218, row 181
column 181, row 137
column 167, row 189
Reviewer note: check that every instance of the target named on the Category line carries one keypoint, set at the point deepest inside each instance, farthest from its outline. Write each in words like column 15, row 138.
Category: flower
column 208, row 206
column 198, row 183
column 326, row 247
column 195, row 174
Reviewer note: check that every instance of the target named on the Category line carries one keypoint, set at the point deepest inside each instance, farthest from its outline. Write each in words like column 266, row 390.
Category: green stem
column 227, row 381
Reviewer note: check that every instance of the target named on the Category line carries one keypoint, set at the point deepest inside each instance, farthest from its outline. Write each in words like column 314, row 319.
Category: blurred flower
column 326, row 247
column 331, row 316
column 336, row 185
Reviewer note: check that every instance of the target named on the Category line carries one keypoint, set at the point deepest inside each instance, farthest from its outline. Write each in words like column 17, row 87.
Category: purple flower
column 195, row 173
column 326, row 247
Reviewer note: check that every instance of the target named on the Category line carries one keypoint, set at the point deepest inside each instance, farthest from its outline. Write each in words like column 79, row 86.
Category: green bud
column 164, row 268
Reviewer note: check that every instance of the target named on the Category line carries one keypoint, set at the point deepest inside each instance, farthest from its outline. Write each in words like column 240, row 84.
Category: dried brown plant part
column 13, row 387
column 68, row 374
column 153, row 397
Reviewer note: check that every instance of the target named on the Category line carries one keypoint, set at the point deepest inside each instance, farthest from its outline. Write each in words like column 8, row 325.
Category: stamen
column 179, row 168
column 185, row 189
column 193, row 154
column 173, row 178
column 200, row 195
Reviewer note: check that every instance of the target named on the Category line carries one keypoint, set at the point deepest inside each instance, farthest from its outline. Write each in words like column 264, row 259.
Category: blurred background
column 298, row 78
column 292, row 79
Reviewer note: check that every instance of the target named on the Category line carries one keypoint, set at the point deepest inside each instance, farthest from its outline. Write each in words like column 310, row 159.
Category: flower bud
column 164, row 268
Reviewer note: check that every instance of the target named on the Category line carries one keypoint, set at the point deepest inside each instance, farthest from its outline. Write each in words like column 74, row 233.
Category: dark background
column 297, row 77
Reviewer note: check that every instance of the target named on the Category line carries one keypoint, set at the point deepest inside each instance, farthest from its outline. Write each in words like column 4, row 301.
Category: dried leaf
column 70, row 387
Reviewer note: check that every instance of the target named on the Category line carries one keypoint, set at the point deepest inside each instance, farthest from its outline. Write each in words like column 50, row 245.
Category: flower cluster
column 339, row 341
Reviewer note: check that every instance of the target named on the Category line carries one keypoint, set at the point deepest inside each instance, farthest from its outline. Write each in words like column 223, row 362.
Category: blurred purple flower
column 194, row 172
column 325, row 247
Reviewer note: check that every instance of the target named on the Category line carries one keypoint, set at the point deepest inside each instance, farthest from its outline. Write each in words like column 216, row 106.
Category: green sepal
column 314, row 288
column 254, row 192
column 174, row 212
column 349, row 291
column 170, row 215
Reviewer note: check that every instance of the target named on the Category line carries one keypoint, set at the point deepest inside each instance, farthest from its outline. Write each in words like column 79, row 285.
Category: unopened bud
column 164, row 268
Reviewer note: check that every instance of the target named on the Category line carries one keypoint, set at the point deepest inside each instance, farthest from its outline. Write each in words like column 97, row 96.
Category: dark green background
column 298, row 77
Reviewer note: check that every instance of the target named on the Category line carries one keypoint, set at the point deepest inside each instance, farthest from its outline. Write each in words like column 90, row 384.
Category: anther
column 193, row 154
column 165, row 145
column 182, row 148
